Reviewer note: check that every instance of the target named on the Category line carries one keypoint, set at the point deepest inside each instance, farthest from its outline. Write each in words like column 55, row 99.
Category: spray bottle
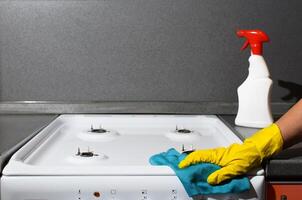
column 254, row 93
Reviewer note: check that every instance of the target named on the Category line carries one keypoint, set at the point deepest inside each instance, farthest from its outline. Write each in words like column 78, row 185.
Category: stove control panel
column 93, row 188
column 108, row 188
column 114, row 194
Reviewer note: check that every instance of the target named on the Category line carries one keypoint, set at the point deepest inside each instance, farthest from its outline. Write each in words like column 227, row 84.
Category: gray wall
column 180, row 50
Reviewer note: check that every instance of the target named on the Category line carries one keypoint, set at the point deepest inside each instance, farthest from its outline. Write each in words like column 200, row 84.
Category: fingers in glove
column 197, row 157
column 224, row 174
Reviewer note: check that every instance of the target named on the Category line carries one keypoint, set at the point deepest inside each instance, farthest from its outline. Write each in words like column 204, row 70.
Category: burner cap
column 184, row 130
column 98, row 130
column 98, row 134
column 85, row 153
column 184, row 150
column 183, row 135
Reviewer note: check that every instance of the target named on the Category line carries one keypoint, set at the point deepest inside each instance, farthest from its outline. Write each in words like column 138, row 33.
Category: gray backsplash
column 143, row 50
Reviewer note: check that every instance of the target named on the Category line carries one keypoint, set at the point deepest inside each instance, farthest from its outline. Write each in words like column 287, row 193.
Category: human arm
column 290, row 125
column 238, row 159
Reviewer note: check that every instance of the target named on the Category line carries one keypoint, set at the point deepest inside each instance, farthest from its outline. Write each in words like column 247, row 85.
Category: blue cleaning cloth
column 194, row 177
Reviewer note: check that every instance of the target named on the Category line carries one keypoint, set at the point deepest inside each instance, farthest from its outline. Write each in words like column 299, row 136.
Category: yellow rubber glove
column 238, row 159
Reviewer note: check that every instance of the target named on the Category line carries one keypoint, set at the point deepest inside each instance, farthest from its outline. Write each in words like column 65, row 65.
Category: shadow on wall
column 0, row 75
column 290, row 153
column 295, row 90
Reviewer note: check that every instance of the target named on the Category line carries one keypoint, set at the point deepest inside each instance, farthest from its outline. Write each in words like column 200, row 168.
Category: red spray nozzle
column 254, row 38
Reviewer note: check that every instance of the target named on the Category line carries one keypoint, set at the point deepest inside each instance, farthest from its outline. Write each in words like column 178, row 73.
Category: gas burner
column 98, row 130
column 98, row 134
column 87, row 158
column 183, row 130
column 187, row 151
column 183, row 135
column 87, row 153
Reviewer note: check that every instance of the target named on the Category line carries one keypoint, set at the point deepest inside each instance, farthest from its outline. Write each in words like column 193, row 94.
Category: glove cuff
column 268, row 141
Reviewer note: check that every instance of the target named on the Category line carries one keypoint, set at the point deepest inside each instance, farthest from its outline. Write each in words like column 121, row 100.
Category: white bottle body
column 254, row 96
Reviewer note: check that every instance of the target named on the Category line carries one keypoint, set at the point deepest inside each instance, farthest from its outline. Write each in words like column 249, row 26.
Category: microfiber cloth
column 194, row 177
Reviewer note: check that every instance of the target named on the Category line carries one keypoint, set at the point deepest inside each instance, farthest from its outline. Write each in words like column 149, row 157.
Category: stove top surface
column 115, row 144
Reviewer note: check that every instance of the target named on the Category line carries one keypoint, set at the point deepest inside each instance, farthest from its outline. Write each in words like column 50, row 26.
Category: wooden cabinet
column 284, row 191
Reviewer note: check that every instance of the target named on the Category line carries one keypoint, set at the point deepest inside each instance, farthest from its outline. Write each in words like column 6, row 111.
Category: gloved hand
column 237, row 159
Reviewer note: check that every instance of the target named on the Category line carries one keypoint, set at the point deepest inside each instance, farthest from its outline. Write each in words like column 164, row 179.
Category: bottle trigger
column 245, row 45
column 254, row 39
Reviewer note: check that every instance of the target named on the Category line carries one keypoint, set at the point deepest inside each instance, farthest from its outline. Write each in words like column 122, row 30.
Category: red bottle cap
column 254, row 38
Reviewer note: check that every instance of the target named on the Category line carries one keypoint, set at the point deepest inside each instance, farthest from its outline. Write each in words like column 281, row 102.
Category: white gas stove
column 106, row 157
